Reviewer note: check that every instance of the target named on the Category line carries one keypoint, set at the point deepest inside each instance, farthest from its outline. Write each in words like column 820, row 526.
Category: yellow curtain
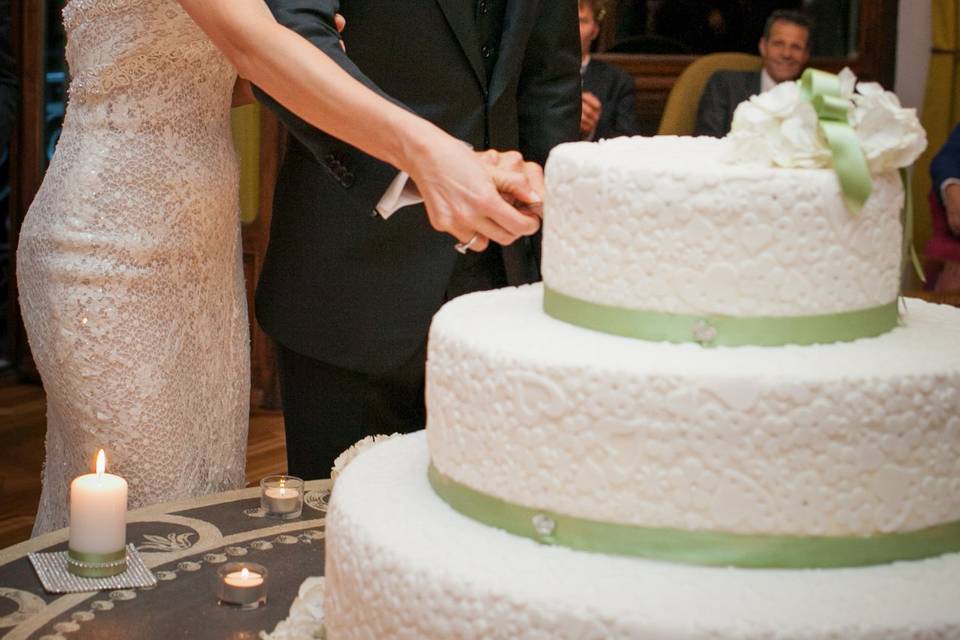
column 941, row 106
column 245, row 122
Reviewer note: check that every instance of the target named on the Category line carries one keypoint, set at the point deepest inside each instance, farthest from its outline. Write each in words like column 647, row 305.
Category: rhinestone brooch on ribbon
column 544, row 525
column 703, row 332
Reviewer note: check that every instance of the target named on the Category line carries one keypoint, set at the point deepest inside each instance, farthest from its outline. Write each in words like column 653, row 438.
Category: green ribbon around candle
column 97, row 565
column 706, row 548
column 849, row 163
column 716, row 330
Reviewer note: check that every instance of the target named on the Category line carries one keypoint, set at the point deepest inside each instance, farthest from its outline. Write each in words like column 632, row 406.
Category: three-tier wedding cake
column 712, row 420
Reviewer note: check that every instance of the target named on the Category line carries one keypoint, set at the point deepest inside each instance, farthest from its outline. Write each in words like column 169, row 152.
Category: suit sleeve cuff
column 943, row 187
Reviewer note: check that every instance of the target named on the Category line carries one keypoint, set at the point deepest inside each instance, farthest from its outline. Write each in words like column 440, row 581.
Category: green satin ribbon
column 96, row 565
column 909, row 251
column 822, row 89
column 706, row 548
column 763, row 331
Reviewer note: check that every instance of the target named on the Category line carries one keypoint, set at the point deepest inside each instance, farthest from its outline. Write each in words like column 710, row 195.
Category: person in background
column 609, row 98
column 784, row 49
column 945, row 179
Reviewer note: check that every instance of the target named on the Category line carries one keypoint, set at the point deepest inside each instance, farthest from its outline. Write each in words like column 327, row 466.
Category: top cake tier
column 671, row 225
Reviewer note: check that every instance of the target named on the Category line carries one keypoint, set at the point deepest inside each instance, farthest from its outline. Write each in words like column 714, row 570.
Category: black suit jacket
column 618, row 96
column 725, row 90
column 339, row 283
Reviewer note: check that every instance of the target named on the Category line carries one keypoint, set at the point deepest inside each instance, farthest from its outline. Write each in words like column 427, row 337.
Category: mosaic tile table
column 182, row 543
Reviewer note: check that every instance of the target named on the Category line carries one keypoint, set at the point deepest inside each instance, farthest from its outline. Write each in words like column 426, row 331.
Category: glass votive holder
column 242, row 584
column 281, row 497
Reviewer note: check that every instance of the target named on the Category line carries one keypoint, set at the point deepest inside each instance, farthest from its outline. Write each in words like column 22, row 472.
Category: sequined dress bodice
column 129, row 262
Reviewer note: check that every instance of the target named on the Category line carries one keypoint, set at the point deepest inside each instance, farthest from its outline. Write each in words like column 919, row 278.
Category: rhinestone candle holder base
column 96, row 565
column 242, row 585
column 281, row 497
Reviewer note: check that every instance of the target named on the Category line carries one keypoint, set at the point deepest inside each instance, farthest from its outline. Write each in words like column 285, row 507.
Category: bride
column 129, row 262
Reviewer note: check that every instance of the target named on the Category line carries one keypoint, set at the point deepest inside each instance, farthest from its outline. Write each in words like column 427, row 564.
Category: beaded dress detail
column 129, row 263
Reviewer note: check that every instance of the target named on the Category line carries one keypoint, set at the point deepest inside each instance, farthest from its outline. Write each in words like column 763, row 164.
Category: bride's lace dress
column 129, row 263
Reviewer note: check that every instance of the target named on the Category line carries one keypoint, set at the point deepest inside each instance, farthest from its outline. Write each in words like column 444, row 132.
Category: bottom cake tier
column 401, row 563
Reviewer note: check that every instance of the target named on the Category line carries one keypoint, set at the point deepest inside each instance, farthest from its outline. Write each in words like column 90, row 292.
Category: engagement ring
column 463, row 247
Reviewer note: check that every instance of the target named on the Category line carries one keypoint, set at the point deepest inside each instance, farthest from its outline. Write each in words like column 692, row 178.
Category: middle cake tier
column 849, row 439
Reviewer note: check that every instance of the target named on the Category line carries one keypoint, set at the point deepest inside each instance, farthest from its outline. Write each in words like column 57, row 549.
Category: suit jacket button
column 348, row 179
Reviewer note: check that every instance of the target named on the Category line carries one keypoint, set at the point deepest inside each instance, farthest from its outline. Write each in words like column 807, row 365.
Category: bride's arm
column 461, row 199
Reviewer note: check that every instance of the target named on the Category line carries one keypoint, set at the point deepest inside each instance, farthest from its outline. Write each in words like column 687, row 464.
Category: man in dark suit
column 609, row 100
column 347, row 295
column 784, row 48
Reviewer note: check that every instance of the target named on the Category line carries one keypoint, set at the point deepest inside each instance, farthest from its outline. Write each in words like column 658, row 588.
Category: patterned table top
column 182, row 543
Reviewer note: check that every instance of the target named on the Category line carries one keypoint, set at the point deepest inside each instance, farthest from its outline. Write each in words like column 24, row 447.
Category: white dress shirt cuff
column 402, row 192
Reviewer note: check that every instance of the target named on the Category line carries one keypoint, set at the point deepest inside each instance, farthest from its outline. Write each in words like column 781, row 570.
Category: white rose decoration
column 891, row 136
column 347, row 456
column 780, row 128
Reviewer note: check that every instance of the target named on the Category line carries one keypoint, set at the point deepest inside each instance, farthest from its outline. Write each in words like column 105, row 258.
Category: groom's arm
column 314, row 21
column 548, row 93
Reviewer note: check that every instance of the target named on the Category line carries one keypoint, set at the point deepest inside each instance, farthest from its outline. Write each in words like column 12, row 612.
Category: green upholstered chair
column 680, row 114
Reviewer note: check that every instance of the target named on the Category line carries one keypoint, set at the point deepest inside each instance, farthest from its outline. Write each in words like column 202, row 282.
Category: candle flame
column 245, row 573
column 101, row 463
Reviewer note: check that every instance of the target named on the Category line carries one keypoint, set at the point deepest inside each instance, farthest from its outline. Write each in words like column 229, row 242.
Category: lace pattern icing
column 129, row 262
column 668, row 225
column 851, row 439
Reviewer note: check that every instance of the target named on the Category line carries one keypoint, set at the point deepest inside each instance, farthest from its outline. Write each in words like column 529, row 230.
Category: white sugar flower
column 890, row 135
column 780, row 128
column 306, row 615
column 347, row 456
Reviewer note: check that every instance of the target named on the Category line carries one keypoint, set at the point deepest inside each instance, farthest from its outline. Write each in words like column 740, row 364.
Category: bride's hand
column 462, row 196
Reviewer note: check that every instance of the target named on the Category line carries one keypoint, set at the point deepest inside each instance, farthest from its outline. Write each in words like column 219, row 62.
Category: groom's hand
column 461, row 190
column 340, row 23
column 519, row 182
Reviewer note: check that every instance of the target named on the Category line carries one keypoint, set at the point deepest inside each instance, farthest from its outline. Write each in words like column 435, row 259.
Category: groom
column 348, row 295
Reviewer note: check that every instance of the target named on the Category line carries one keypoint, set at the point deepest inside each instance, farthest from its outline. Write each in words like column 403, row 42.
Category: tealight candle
column 243, row 584
column 98, row 523
column 281, row 496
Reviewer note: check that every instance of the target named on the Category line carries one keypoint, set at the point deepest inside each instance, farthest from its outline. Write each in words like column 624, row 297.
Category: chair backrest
column 680, row 114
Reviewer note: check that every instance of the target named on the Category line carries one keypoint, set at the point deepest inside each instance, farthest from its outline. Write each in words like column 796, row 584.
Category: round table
column 183, row 543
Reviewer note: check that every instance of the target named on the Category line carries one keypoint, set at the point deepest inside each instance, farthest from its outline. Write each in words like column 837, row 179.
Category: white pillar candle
column 98, row 511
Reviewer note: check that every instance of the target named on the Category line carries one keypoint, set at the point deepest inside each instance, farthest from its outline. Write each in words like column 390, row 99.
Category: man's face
column 785, row 53
column 589, row 28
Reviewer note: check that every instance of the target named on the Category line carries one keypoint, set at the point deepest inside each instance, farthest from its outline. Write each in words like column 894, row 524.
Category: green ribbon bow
column 822, row 89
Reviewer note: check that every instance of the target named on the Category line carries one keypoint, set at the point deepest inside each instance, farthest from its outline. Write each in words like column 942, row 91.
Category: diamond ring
column 463, row 247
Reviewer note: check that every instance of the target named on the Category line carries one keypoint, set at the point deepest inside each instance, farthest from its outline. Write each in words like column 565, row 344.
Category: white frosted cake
column 713, row 420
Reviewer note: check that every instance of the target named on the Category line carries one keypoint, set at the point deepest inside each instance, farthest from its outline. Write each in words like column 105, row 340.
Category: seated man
column 609, row 99
column 784, row 48
column 945, row 243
